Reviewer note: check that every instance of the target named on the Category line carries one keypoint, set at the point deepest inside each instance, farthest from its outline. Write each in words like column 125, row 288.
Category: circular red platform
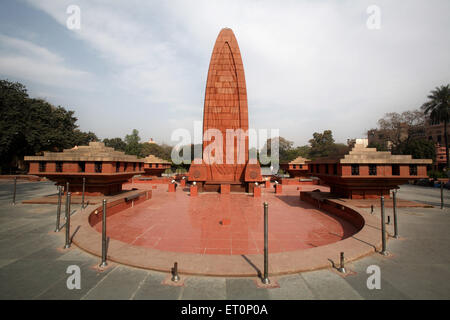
column 225, row 224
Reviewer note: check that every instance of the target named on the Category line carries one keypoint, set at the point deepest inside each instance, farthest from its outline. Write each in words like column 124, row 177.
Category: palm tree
column 438, row 107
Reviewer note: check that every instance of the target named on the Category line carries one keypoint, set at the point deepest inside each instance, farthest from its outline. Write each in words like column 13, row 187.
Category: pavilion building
column 367, row 173
column 154, row 166
column 296, row 168
column 104, row 169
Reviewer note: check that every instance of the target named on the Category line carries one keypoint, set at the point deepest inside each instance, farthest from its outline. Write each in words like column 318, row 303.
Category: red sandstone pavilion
column 154, row 167
column 367, row 173
column 225, row 108
column 104, row 168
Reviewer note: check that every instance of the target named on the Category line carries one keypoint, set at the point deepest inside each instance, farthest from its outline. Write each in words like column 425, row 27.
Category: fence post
column 383, row 229
column 67, row 245
column 58, row 209
column 82, row 196
column 104, row 243
column 175, row 276
column 14, row 193
column 342, row 265
column 265, row 279
column 442, row 195
column 394, row 198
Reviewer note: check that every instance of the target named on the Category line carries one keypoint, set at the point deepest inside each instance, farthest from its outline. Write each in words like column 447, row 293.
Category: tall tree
column 438, row 107
column 323, row 145
column 133, row 146
column 396, row 127
column 81, row 138
column 161, row 151
column 116, row 143
column 29, row 126
column 284, row 146
column 419, row 149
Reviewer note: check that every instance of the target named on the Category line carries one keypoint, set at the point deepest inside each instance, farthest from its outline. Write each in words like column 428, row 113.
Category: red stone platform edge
column 365, row 242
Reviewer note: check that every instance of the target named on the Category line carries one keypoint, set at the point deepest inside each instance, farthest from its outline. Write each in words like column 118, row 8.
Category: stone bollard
column 278, row 189
column 194, row 191
column 257, row 192
column 183, row 182
column 172, row 187
column 267, row 183
column 224, row 188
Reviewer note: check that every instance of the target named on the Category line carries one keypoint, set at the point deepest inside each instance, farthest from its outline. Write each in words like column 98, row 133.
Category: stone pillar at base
column 183, row 182
column 257, row 192
column 194, row 191
column 267, row 183
column 278, row 189
column 224, row 188
column 172, row 187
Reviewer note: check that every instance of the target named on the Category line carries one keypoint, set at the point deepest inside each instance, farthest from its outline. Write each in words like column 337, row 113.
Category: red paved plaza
column 225, row 224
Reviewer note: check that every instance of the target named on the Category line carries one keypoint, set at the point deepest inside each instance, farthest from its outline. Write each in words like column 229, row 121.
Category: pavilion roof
column 95, row 151
column 364, row 155
column 154, row 159
column 299, row 160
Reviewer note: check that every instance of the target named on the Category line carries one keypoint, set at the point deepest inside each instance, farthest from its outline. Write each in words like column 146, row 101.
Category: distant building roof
column 95, row 151
column 154, row 159
column 299, row 160
column 363, row 155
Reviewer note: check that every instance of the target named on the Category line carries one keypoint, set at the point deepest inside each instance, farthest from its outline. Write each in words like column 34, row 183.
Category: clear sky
column 309, row 65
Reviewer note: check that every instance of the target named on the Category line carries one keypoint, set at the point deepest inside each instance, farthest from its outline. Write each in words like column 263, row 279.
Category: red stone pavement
column 225, row 224
column 286, row 260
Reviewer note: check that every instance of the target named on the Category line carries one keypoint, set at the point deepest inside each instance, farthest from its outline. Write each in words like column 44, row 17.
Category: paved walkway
column 33, row 264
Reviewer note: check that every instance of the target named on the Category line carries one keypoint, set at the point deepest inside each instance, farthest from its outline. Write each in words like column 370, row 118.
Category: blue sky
column 309, row 65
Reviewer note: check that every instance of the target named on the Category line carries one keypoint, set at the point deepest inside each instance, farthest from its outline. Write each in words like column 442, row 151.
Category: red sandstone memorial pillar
column 225, row 112
column 257, row 192
column 267, row 183
column 183, row 182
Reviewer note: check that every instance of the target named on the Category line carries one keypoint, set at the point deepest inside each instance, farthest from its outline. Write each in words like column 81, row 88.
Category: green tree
column 29, row 126
column 438, row 108
column 293, row 153
column 81, row 138
column 323, row 145
column 161, row 151
column 378, row 146
column 284, row 147
column 133, row 146
column 419, row 149
column 116, row 143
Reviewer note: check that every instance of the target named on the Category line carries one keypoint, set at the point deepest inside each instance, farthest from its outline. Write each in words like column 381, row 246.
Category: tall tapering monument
column 225, row 167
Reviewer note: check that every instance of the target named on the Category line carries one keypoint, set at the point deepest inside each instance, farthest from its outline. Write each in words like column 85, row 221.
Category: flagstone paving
column 33, row 264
